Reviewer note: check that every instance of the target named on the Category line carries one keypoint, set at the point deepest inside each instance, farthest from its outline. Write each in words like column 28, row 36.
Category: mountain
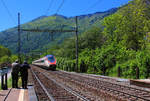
column 39, row 40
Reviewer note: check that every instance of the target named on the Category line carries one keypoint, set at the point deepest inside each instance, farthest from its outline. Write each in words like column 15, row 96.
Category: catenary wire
column 60, row 6
column 49, row 7
column 92, row 6
column 10, row 15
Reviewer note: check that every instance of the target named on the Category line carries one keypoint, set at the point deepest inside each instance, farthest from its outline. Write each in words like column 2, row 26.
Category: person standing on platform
column 15, row 73
column 24, row 74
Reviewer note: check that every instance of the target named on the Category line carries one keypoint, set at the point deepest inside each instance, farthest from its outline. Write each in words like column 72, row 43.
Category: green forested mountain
column 123, row 42
column 32, row 41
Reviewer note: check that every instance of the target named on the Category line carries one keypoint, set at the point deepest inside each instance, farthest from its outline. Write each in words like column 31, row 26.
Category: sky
column 31, row 9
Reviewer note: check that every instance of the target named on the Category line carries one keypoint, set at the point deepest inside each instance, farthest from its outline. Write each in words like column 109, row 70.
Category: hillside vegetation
column 6, row 56
column 124, row 43
column 40, row 41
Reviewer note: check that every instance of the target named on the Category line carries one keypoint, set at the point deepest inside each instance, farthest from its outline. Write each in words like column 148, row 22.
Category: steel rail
column 67, row 89
column 120, row 91
column 92, row 77
column 48, row 94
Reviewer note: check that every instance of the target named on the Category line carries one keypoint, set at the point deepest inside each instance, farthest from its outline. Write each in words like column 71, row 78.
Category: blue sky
column 31, row 9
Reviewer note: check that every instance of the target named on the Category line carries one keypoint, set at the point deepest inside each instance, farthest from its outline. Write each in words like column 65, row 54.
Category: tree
column 92, row 38
column 129, row 25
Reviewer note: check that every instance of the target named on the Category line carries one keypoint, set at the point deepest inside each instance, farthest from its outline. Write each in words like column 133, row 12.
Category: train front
column 51, row 60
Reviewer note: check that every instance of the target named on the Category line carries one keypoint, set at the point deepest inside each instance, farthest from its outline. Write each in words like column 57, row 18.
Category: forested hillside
column 123, row 43
column 34, row 40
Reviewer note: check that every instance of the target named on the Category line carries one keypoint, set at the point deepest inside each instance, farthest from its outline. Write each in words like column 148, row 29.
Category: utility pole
column 46, row 50
column 19, row 48
column 52, row 36
column 76, row 43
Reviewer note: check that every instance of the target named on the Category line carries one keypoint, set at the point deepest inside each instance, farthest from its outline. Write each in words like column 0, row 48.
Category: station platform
column 18, row 94
column 142, row 83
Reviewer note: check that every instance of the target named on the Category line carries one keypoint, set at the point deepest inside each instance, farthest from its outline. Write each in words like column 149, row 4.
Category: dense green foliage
column 124, row 43
column 5, row 56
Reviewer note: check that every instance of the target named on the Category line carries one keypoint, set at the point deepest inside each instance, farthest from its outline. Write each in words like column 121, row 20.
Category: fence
column 3, row 74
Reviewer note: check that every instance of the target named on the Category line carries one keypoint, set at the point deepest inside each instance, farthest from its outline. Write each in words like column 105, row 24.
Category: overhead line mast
column 47, row 30
column 19, row 39
column 76, row 43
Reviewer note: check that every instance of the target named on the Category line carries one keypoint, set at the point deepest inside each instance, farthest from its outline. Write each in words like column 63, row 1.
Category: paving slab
column 14, row 95
column 3, row 94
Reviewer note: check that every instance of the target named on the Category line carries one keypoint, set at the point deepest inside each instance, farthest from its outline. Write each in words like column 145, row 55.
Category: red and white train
column 47, row 62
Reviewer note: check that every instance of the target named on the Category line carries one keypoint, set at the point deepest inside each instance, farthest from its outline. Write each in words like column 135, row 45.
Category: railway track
column 98, row 89
column 55, row 91
column 123, row 91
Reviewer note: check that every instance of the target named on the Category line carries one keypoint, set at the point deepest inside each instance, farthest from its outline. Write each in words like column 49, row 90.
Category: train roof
column 49, row 55
column 44, row 58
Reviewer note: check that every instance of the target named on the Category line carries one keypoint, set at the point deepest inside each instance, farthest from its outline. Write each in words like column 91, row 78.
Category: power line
column 50, row 5
column 60, row 6
column 11, row 17
column 92, row 6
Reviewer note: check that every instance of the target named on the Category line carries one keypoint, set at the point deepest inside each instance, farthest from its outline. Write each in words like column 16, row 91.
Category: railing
column 3, row 74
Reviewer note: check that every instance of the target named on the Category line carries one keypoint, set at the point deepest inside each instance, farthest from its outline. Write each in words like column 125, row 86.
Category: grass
column 9, row 83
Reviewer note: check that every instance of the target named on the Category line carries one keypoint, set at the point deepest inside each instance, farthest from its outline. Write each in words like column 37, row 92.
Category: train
column 48, row 62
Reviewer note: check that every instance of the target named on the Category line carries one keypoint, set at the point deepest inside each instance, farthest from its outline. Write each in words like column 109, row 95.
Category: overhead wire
column 49, row 7
column 60, row 6
column 92, row 6
column 10, row 15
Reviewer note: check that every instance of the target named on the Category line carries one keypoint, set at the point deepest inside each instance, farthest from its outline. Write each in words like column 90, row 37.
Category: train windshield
column 51, row 58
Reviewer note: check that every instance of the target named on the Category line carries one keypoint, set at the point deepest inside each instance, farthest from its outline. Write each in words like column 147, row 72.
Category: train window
column 51, row 59
column 42, row 60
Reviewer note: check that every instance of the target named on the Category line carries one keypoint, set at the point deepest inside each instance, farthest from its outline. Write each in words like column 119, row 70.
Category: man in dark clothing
column 15, row 72
column 24, row 74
